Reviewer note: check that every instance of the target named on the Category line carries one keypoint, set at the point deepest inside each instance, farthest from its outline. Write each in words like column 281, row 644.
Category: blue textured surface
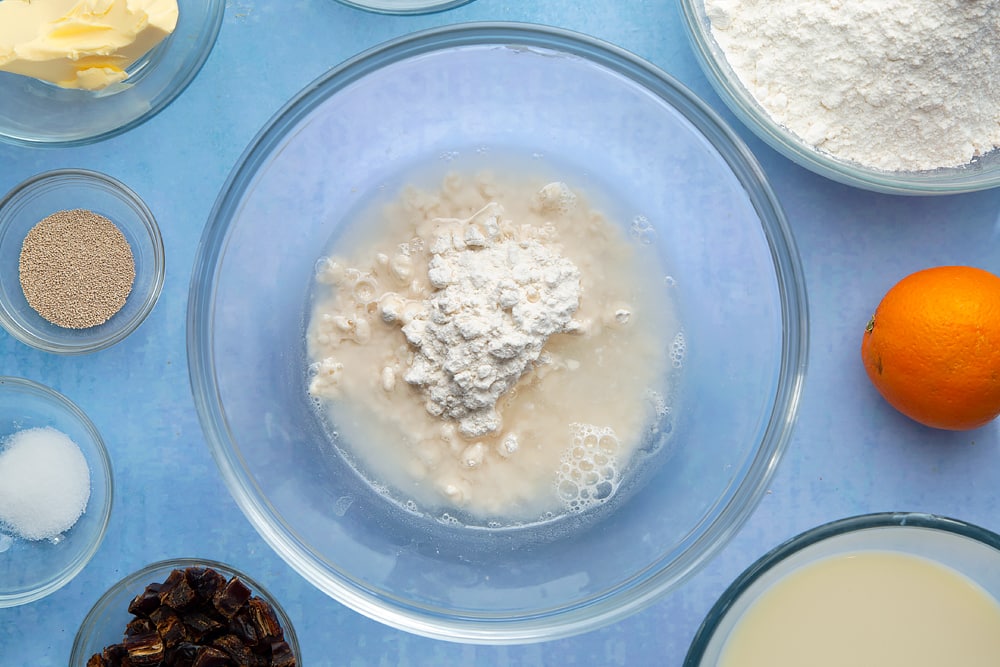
column 850, row 453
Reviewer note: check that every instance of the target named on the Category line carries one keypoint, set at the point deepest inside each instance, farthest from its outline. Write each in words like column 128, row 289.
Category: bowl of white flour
column 496, row 333
column 897, row 96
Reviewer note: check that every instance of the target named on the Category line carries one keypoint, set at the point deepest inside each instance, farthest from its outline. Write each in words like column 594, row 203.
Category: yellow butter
column 81, row 43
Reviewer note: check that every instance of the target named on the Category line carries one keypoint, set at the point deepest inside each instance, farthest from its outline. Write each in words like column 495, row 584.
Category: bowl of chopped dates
column 185, row 612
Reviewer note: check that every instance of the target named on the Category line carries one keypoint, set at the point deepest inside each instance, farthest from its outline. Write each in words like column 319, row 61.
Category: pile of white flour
column 898, row 85
column 496, row 302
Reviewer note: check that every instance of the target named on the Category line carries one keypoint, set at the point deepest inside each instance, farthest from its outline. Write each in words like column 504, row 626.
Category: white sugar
column 44, row 483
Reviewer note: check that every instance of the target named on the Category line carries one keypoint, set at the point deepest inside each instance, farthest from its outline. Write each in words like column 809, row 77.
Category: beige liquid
column 578, row 418
column 869, row 609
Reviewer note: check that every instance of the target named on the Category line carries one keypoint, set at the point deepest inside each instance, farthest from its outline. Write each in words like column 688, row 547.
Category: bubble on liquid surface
column 588, row 473
column 642, row 230
column 342, row 505
column 568, row 490
column 659, row 403
column 365, row 289
column 678, row 350
column 556, row 197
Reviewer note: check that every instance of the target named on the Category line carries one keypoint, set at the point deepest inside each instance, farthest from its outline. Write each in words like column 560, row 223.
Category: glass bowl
column 105, row 623
column 689, row 191
column 981, row 174
column 32, row 569
column 404, row 6
column 66, row 189
column 966, row 550
column 37, row 113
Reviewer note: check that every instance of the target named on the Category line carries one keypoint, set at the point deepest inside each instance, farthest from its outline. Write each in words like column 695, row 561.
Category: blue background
column 850, row 452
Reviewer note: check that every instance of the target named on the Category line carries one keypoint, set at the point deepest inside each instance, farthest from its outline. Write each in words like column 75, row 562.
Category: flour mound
column 497, row 300
column 897, row 85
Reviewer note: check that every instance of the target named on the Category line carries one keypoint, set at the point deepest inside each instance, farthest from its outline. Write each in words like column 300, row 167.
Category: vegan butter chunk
column 81, row 43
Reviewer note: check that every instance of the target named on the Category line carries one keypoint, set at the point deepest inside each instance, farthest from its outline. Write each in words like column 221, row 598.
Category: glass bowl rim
column 104, row 461
column 421, row 7
column 158, row 268
column 97, row 612
column 749, row 112
column 629, row 596
column 815, row 535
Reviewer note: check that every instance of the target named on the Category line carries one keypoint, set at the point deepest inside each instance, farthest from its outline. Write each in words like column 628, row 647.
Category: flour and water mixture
column 492, row 348
column 897, row 85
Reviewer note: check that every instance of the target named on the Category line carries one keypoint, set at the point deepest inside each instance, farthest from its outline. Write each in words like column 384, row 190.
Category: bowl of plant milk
column 889, row 589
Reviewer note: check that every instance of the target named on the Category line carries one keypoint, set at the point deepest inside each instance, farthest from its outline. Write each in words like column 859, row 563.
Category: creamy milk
column 869, row 609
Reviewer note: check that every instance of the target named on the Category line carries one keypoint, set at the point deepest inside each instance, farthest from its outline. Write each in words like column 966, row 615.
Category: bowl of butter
column 73, row 73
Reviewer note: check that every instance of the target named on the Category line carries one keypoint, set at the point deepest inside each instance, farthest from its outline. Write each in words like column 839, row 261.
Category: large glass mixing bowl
column 481, row 90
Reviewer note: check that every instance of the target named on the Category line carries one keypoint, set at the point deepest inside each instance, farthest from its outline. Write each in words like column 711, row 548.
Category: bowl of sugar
column 899, row 97
column 485, row 388
column 56, row 489
column 893, row 589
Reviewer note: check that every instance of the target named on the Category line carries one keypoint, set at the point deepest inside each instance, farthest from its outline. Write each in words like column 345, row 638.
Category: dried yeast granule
column 76, row 268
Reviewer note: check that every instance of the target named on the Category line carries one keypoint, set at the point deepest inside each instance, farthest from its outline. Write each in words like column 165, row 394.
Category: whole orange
column 932, row 348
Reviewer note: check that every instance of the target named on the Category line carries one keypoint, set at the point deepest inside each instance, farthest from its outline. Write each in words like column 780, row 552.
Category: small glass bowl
column 65, row 189
column 981, row 174
column 404, row 6
column 37, row 113
column 967, row 549
column 105, row 623
column 30, row 570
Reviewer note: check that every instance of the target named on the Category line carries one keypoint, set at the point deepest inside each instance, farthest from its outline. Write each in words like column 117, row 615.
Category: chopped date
column 265, row 622
column 139, row 626
column 182, row 655
column 239, row 652
column 176, row 592
column 211, row 657
column 144, row 649
column 205, row 581
column 243, row 627
column 169, row 626
column 115, row 655
column 144, row 603
column 281, row 655
column 198, row 618
column 200, row 625
column 232, row 596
